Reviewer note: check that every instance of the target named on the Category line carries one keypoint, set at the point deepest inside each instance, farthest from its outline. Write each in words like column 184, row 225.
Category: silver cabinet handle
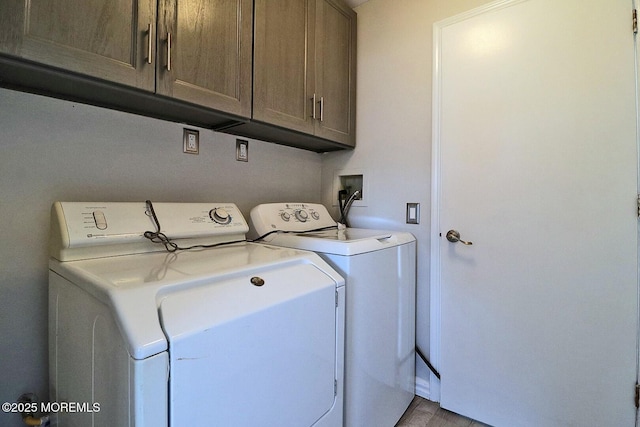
column 453, row 236
column 149, row 44
column 168, row 51
column 322, row 108
column 313, row 106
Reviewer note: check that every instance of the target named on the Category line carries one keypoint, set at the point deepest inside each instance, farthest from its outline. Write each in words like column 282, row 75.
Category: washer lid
column 348, row 241
column 134, row 285
column 292, row 225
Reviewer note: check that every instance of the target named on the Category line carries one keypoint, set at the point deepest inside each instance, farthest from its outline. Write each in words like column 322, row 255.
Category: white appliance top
column 135, row 285
column 136, row 281
column 97, row 229
column 309, row 226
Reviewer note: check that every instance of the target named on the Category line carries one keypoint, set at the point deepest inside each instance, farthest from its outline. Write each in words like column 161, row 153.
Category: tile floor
column 424, row 413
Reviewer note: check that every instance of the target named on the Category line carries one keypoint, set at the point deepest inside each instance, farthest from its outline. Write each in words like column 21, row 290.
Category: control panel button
column 315, row 215
column 100, row 220
column 285, row 216
column 301, row 215
column 220, row 216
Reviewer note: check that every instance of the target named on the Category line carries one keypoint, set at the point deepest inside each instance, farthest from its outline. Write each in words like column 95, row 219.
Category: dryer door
column 253, row 350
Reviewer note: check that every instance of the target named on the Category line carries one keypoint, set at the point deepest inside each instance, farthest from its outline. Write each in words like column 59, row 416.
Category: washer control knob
column 100, row 220
column 285, row 216
column 220, row 216
column 315, row 215
column 301, row 215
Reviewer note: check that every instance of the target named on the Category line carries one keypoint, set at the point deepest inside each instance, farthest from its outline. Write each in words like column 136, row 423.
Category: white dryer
column 228, row 333
column 380, row 272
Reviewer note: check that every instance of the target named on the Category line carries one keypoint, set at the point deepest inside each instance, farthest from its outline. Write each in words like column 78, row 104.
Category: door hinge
column 638, row 215
column 635, row 21
column 637, row 398
column 335, row 388
column 638, row 204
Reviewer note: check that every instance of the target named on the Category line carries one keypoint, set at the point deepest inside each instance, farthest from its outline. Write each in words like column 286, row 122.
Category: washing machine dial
column 302, row 216
column 100, row 220
column 285, row 216
column 220, row 216
column 315, row 215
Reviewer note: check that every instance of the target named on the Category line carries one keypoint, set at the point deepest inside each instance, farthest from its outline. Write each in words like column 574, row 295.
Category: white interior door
column 535, row 163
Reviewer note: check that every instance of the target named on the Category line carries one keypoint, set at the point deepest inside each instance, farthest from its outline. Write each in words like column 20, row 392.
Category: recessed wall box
column 350, row 181
column 190, row 141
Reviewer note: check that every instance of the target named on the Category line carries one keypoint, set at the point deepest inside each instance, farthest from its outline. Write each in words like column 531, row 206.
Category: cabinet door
column 204, row 53
column 107, row 39
column 283, row 63
column 336, row 71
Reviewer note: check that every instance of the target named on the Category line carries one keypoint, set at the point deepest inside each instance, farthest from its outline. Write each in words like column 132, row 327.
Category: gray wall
column 57, row 150
column 393, row 136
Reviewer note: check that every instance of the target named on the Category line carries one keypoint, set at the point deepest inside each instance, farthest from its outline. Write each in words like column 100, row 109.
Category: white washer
column 242, row 334
column 379, row 268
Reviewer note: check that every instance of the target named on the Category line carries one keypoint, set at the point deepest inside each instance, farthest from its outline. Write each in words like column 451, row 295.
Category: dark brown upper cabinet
column 305, row 67
column 200, row 51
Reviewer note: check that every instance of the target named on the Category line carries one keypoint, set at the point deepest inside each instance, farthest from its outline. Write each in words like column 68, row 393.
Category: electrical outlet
column 190, row 141
column 242, row 150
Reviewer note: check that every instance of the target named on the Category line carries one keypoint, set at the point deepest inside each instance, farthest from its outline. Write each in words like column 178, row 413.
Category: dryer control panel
column 296, row 217
column 90, row 227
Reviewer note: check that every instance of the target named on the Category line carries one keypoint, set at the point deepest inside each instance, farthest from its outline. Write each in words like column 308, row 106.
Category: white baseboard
column 423, row 388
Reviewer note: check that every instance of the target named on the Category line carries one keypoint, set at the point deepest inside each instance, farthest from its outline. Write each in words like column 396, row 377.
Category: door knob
column 453, row 236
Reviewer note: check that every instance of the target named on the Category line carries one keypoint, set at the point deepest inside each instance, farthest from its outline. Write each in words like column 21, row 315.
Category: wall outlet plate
column 413, row 213
column 190, row 141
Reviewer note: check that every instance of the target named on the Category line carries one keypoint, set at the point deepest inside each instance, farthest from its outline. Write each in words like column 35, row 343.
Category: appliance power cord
column 426, row 361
